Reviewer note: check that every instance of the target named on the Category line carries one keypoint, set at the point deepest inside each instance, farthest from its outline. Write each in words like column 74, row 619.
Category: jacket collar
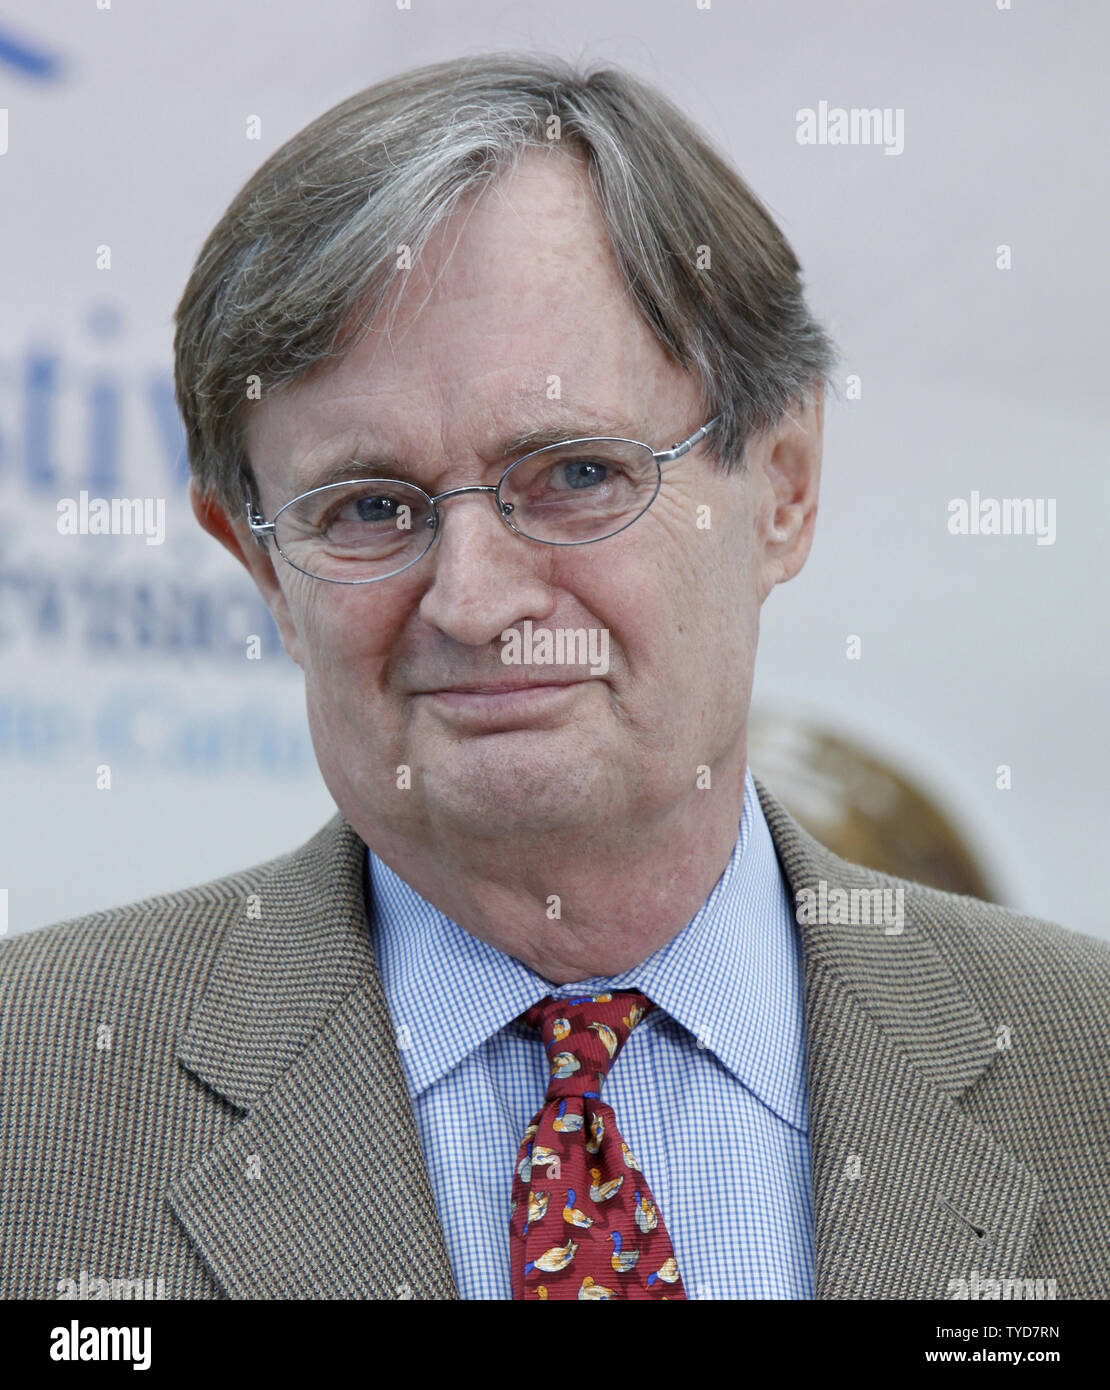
column 320, row 1191
column 909, row 1193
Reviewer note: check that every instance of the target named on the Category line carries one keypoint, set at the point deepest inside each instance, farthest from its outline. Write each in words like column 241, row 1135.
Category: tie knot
column 583, row 1035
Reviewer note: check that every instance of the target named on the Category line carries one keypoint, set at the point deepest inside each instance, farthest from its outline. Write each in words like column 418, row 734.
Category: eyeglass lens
column 564, row 495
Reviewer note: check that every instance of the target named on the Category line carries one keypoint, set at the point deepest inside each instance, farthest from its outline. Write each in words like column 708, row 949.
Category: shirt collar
column 732, row 976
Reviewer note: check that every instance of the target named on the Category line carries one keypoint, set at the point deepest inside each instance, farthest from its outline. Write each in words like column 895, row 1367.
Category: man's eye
column 368, row 509
column 568, row 476
column 580, row 474
column 376, row 507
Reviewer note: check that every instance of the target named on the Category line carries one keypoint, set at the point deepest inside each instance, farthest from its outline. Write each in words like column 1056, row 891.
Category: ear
column 236, row 537
column 791, row 465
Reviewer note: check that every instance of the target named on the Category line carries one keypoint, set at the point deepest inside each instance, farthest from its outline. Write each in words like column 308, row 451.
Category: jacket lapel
column 321, row 1190
column 909, row 1194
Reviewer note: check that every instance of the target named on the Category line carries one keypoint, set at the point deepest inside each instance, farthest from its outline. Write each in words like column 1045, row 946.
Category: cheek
column 663, row 595
column 345, row 632
column 697, row 631
column 725, row 552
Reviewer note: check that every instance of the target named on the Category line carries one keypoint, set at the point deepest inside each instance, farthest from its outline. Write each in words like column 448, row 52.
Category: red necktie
column 584, row 1223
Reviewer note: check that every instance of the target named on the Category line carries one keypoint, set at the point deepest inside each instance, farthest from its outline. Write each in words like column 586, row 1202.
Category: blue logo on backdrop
column 71, row 424
column 116, row 418
column 27, row 58
column 142, row 618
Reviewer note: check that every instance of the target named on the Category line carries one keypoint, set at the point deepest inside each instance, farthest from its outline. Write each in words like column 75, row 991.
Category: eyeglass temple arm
column 259, row 527
column 677, row 450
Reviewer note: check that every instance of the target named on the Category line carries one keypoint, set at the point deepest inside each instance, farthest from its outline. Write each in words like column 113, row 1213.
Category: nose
column 485, row 577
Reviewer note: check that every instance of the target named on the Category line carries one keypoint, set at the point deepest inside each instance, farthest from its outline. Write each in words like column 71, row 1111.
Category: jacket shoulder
column 1041, row 988
column 159, row 942
column 97, row 1116
column 1001, row 953
column 998, row 952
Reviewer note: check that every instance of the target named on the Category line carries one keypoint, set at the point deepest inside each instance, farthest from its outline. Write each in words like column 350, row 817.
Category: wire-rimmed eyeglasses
column 571, row 493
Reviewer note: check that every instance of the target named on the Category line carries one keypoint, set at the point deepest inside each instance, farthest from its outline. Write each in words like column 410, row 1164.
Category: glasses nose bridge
column 461, row 492
column 458, row 492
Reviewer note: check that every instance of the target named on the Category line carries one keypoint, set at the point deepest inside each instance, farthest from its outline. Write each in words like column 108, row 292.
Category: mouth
column 498, row 687
column 504, row 703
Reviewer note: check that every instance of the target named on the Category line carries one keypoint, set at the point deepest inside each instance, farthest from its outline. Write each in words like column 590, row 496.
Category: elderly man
column 502, row 386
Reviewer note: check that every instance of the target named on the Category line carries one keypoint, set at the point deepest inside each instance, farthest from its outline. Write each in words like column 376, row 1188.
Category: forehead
column 514, row 317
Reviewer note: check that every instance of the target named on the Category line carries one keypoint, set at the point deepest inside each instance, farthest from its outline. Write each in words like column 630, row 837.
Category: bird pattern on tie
column 584, row 1223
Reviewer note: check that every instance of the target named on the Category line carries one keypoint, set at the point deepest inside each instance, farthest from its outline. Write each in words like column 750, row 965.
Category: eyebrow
column 346, row 465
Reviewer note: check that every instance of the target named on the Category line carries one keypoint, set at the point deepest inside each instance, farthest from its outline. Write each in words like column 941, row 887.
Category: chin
column 521, row 784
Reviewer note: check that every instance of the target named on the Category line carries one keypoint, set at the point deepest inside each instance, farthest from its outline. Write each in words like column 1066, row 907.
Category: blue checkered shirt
column 709, row 1092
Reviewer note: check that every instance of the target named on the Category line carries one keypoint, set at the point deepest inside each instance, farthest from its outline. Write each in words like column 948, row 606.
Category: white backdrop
column 127, row 129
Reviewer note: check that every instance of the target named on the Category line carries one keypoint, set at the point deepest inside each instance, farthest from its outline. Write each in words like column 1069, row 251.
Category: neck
column 568, row 912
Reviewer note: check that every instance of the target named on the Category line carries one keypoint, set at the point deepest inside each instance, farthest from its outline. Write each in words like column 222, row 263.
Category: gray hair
column 306, row 256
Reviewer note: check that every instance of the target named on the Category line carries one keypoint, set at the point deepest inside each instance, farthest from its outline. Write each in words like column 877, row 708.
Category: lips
column 497, row 707
column 502, row 687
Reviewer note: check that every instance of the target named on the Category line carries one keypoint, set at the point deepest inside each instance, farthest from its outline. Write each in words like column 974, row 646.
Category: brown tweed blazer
column 205, row 1088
